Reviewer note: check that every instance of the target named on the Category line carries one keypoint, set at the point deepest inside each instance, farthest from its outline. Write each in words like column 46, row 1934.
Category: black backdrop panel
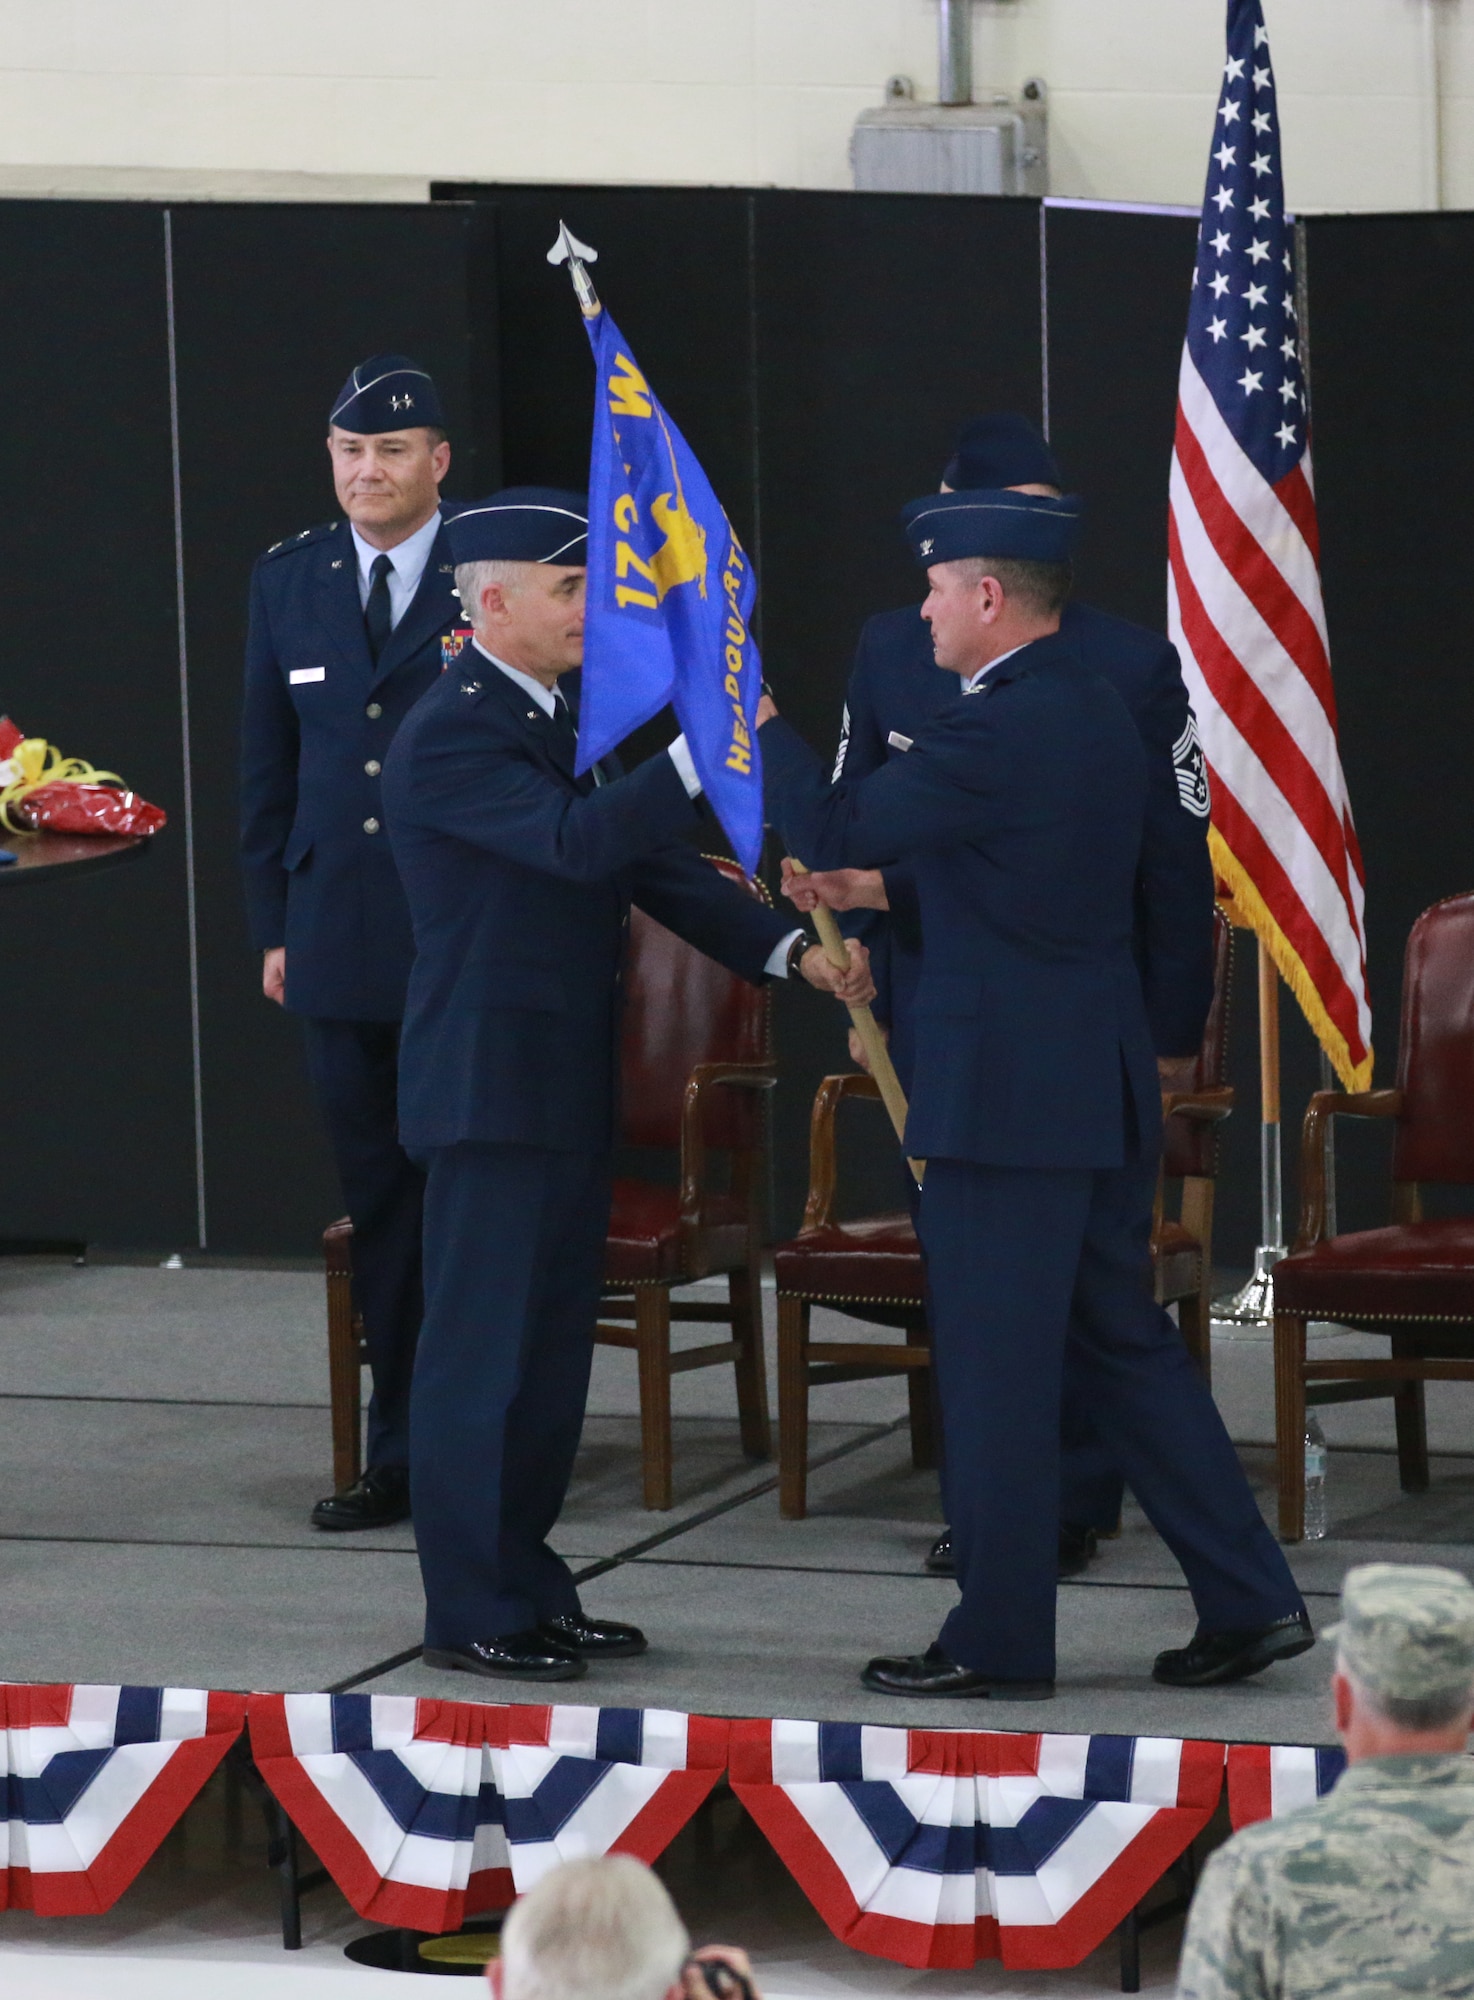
column 673, row 270
column 1391, row 302
column 95, row 1065
column 879, row 328
column 274, row 305
column 1118, row 292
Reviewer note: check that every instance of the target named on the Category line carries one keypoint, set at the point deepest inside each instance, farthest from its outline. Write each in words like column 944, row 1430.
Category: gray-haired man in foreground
column 606, row 1929
column 1369, row 1893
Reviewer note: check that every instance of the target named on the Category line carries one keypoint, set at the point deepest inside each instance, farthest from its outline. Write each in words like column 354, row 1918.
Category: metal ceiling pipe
column 954, row 46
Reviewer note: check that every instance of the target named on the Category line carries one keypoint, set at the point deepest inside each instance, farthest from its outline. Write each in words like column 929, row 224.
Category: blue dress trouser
column 354, row 1067
column 514, row 1266
column 1035, row 1274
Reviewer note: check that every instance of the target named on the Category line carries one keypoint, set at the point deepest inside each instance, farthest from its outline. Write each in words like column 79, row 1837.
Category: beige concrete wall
column 194, row 96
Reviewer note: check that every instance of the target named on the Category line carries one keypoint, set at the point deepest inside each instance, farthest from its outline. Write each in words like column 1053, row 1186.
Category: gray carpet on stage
column 167, row 1433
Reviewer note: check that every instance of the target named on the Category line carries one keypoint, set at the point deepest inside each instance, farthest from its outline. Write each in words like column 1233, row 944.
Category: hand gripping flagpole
column 577, row 256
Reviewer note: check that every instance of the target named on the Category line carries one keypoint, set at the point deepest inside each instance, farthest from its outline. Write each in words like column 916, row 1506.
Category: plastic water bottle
column 1315, row 1479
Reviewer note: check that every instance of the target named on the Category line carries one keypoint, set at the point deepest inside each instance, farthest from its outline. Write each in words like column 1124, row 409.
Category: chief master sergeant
column 1369, row 1893
column 349, row 624
column 520, row 878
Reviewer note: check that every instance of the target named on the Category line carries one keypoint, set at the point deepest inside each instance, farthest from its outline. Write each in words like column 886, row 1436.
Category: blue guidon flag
column 1268, row 1779
column 92, row 1779
column 941, row 1847
column 670, row 597
column 426, row 1812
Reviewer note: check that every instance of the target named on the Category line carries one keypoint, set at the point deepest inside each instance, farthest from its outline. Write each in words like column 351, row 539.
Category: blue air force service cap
column 537, row 524
column 388, row 392
column 1028, row 527
column 1002, row 449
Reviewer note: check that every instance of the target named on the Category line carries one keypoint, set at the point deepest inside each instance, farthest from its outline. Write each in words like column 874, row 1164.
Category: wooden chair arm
column 703, row 1079
column 1204, row 1107
column 1322, row 1108
column 819, row 1208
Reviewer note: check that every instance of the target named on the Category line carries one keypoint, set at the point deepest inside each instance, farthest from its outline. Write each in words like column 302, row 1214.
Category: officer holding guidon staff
column 520, row 875
column 1036, row 1105
column 895, row 689
column 350, row 623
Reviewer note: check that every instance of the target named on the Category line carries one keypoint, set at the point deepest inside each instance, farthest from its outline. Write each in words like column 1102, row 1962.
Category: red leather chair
column 696, row 1054
column 1414, row 1280
column 870, row 1269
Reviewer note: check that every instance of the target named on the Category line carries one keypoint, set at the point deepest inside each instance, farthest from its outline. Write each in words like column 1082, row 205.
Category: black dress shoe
column 1209, row 1659
column 593, row 1638
column 931, row 1674
column 1076, row 1548
column 939, row 1559
column 515, row 1656
column 377, row 1499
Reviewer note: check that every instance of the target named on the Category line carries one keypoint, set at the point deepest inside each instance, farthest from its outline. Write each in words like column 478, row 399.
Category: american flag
column 1244, row 590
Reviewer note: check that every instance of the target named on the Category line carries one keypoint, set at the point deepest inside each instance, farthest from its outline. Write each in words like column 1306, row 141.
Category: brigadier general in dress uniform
column 1036, row 1105
column 1369, row 1893
column 350, row 623
column 895, row 689
column 520, row 878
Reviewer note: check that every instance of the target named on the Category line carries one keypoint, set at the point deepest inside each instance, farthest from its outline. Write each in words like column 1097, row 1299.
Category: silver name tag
column 300, row 674
column 899, row 742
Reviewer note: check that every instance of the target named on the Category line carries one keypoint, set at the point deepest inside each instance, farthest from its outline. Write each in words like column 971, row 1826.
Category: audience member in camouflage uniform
column 1369, row 1893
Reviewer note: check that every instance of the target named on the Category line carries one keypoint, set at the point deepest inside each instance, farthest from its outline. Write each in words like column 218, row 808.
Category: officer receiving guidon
column 350, row 623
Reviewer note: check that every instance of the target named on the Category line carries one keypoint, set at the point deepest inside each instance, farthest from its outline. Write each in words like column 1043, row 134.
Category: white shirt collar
column 524, row 683
column 972, row 686
column 407, row 558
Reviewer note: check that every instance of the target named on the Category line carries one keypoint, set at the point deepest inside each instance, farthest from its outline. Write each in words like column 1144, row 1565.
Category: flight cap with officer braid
column 388, row 392
column 982, row 521
column 532, row 524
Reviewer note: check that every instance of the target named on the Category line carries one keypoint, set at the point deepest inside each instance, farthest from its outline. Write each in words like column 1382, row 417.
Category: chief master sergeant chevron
column 520, row 877
column 1037, row 1109
column 350, row 623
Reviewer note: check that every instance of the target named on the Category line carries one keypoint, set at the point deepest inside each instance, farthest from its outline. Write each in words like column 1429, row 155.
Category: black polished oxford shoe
column 1077, row 1547
column 593, row 1638
column 515, row 1656
column 377, row 1499
column 1209, row 1659
column 932, row 1674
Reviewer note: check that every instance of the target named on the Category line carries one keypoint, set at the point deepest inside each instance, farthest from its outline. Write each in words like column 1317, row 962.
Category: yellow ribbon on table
column 41, row 763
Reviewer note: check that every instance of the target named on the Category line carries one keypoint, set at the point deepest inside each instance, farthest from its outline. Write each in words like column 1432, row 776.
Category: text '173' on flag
column 670, row 596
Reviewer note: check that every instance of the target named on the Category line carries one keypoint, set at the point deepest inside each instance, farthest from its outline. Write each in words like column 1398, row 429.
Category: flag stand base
column 1253, row 1303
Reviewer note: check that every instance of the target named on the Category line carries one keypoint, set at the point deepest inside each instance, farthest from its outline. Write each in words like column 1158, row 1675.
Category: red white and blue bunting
column 427, row 1812
column 940, row 1848
column 1265, row 1780
column 92, row 1778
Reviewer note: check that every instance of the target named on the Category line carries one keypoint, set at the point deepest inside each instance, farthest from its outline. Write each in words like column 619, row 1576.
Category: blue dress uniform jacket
column 520, row 879
column 1035, row 1103
column 896, row 688
column 317, row 723
column 520, row 882
column 1021, row 809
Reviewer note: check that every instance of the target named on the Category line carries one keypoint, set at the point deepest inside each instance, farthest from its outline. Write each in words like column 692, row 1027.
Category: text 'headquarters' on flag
column 670, row 596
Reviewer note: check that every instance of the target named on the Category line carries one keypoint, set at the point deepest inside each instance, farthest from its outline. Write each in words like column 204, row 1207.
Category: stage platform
column 167, row 1433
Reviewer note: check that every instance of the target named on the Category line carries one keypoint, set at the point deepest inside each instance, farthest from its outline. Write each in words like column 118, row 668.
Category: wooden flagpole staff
column 1253, row 1303
column 877, row 1055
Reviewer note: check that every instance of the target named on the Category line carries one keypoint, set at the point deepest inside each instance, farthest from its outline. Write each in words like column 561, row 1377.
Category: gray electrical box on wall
column 999, row 147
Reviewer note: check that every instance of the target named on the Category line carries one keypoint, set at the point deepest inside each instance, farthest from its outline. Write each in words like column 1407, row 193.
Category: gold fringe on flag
column 1247, row 910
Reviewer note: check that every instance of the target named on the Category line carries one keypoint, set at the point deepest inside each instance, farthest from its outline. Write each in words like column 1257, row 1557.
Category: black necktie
column 377, row 620
column 566, row 735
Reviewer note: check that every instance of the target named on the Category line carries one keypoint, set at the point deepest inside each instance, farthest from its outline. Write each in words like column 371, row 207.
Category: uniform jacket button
column 371, row 826
column 373, row 767
column 374, row 711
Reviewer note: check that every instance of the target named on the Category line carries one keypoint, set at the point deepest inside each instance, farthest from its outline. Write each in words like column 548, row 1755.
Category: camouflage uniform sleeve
column 1229, row 1943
